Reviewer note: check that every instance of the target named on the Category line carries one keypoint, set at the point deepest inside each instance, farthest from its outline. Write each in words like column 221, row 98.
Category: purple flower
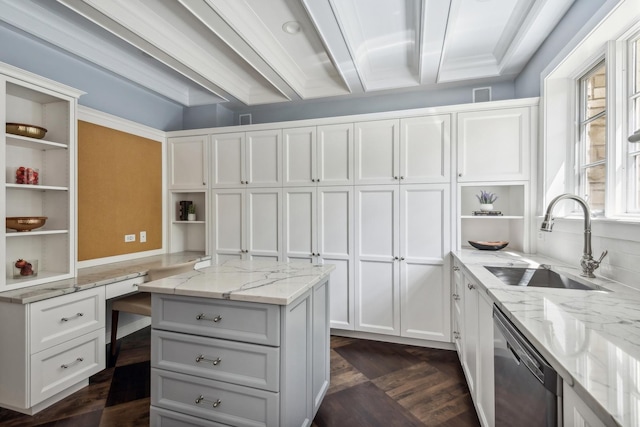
column 486, row 198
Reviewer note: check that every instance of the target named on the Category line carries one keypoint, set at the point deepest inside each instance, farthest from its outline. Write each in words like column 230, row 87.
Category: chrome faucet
column 588, row 264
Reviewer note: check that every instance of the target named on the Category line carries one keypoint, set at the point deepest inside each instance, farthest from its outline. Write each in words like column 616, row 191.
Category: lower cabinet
column 473, row 336
column 575, row 412
column 220, row 362
column 50, row 348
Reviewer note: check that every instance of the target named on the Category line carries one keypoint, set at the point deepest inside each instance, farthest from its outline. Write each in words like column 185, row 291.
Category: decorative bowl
column 488, row 246
column 22, row 129
column 25, row 269
column 25, row 223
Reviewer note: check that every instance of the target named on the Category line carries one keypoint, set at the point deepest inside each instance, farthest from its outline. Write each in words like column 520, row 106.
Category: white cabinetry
column 28, row 99
column 320, row 155
column 187, row 235
column 494, row 145
column 425, row 149
column 575, row 412
column 377, row 151
column 246, row 223
column 401, row 252
column 188, row 162
column 318, row 227
column 239, row 363
column 247, row 158
column 50, row 348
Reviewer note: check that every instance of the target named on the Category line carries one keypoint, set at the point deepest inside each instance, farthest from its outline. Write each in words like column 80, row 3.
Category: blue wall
column 104, row 91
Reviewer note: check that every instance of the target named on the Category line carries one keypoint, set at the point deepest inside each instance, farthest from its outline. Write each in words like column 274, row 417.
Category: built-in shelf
column 31, row 143
column 37, row 187
column 189, row 222
column 34, row 233
column 491, row 217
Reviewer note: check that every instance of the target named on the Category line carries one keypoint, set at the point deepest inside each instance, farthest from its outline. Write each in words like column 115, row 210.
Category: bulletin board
column 119, row 192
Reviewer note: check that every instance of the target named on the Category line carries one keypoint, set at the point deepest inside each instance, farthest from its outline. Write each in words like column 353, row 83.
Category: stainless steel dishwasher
column 526, row 386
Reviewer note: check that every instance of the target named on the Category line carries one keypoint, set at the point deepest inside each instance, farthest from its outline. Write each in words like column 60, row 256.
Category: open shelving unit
column 188, row 235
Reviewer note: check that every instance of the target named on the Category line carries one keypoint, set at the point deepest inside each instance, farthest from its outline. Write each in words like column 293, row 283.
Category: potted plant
column 486, row 200
column 191, row 212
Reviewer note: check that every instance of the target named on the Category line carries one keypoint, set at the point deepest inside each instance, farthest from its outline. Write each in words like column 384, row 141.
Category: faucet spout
column 588, row 264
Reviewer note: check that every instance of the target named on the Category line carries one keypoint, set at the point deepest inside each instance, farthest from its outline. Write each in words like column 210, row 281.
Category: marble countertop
column 592, row 338
column 91, row 277
column 267, row 282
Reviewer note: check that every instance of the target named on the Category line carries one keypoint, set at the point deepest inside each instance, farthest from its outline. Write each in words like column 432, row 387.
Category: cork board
column 119, row 192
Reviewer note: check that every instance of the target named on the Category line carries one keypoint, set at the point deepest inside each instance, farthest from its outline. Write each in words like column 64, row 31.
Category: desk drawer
column 234, row 405
column 239, row 363
column 56, row 320
column 233, row 320
column 124, row 287
column 57, row 368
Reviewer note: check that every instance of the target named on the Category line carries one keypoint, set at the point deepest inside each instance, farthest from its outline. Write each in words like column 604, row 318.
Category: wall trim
column 119, row 258
column 118, row 123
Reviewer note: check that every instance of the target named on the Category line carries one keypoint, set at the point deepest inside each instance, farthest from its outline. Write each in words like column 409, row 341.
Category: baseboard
column 393, row 339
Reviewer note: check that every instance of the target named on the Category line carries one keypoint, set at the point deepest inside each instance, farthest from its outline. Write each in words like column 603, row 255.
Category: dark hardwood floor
column 372, row 384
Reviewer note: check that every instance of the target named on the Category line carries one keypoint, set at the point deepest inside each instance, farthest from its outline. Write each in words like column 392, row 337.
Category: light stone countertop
column 269, row 282
column 592, row 338
column 91, row 277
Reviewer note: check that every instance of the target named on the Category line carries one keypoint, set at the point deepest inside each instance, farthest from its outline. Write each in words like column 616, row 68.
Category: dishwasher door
column 526, row 386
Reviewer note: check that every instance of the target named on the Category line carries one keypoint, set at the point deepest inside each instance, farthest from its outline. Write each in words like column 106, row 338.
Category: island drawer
column 56, row 320
column 159, row 417
column 232, row 320
column 229, row 361
column 59, row 367
column 214, row 400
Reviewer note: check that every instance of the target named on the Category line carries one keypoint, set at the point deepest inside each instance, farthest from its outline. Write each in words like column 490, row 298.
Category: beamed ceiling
column 255, row 52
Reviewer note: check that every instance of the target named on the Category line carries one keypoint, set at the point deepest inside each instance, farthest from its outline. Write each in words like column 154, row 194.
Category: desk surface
column 101, row 275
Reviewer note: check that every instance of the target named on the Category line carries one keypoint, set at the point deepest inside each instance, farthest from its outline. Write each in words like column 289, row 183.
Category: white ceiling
column 237, row 52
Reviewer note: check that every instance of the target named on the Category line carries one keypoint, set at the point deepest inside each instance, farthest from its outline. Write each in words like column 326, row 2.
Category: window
column 592, row 142
column 633, row 160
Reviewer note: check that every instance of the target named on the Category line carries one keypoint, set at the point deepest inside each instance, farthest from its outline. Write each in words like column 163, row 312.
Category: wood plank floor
column 372, row 384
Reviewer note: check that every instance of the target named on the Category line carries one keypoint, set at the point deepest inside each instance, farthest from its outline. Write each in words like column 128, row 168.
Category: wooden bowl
column 22, row 129
column 25, row 223
column 488, row 246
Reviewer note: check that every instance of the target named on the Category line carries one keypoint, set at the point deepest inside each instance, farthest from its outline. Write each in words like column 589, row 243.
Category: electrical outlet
column 143, row 236
column 541, row 235
column 129, row 238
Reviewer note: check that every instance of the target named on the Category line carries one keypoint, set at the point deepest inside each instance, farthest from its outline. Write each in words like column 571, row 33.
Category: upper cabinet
column 320, row 155
column 247, row 158
column 188, row 162
column 408, row 151
column 50, row 191
column 494, row 145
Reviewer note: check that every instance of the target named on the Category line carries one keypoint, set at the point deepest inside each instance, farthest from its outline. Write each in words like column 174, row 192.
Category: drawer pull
column 456, row 297
column 78, row 360
column 66, row 319
column 202, row 316
column 215, row 404
column 213, row 362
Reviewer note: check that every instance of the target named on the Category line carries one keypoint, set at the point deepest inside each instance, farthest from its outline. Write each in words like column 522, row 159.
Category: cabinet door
column 264, row 158
column 377, row 152
column 575, row 412
column 424, row 262
column 425, row 146
column 228, row 159
column 494, row 145
column 321, row 342
column 377, row 266
column 299, row 224
column 485, row 380
column 458, row 308
column 299, row 156
column 335, row 155
column 188, row 162
column 264, row 213
column 228, row 225
column 470, row 336
column 336, row 246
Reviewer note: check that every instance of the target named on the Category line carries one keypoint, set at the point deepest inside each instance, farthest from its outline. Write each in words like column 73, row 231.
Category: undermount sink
column 539, row 278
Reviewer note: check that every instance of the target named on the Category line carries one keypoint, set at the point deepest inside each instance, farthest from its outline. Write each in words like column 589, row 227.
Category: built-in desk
column 53, row 335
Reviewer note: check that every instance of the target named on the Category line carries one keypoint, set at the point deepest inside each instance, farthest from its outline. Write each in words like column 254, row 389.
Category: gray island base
column 243, row 343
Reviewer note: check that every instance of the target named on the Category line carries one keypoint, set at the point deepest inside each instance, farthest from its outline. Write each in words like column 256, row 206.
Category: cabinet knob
column 456, row 335
column 456, row 268
column 401, row 258
column 204, row 183
column 395, row 177
column 470, row 286
column 402, row 177
column 459, row 174
column 456, row 297
column 395, row 258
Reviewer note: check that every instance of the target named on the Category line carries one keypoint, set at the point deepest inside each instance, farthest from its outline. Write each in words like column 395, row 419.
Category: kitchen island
column 243, row 343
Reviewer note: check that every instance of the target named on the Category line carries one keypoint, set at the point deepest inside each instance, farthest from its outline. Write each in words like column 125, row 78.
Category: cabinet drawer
column 56, row 320
column 230, row 361
column 235, row 405
column 57, row 368
column 232, row 320
column 123, row 287
column 159, row 417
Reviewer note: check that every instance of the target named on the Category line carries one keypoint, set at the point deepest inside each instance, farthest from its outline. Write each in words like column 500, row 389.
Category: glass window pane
column 594, row 187
column 596, row 92
column 595, row 139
